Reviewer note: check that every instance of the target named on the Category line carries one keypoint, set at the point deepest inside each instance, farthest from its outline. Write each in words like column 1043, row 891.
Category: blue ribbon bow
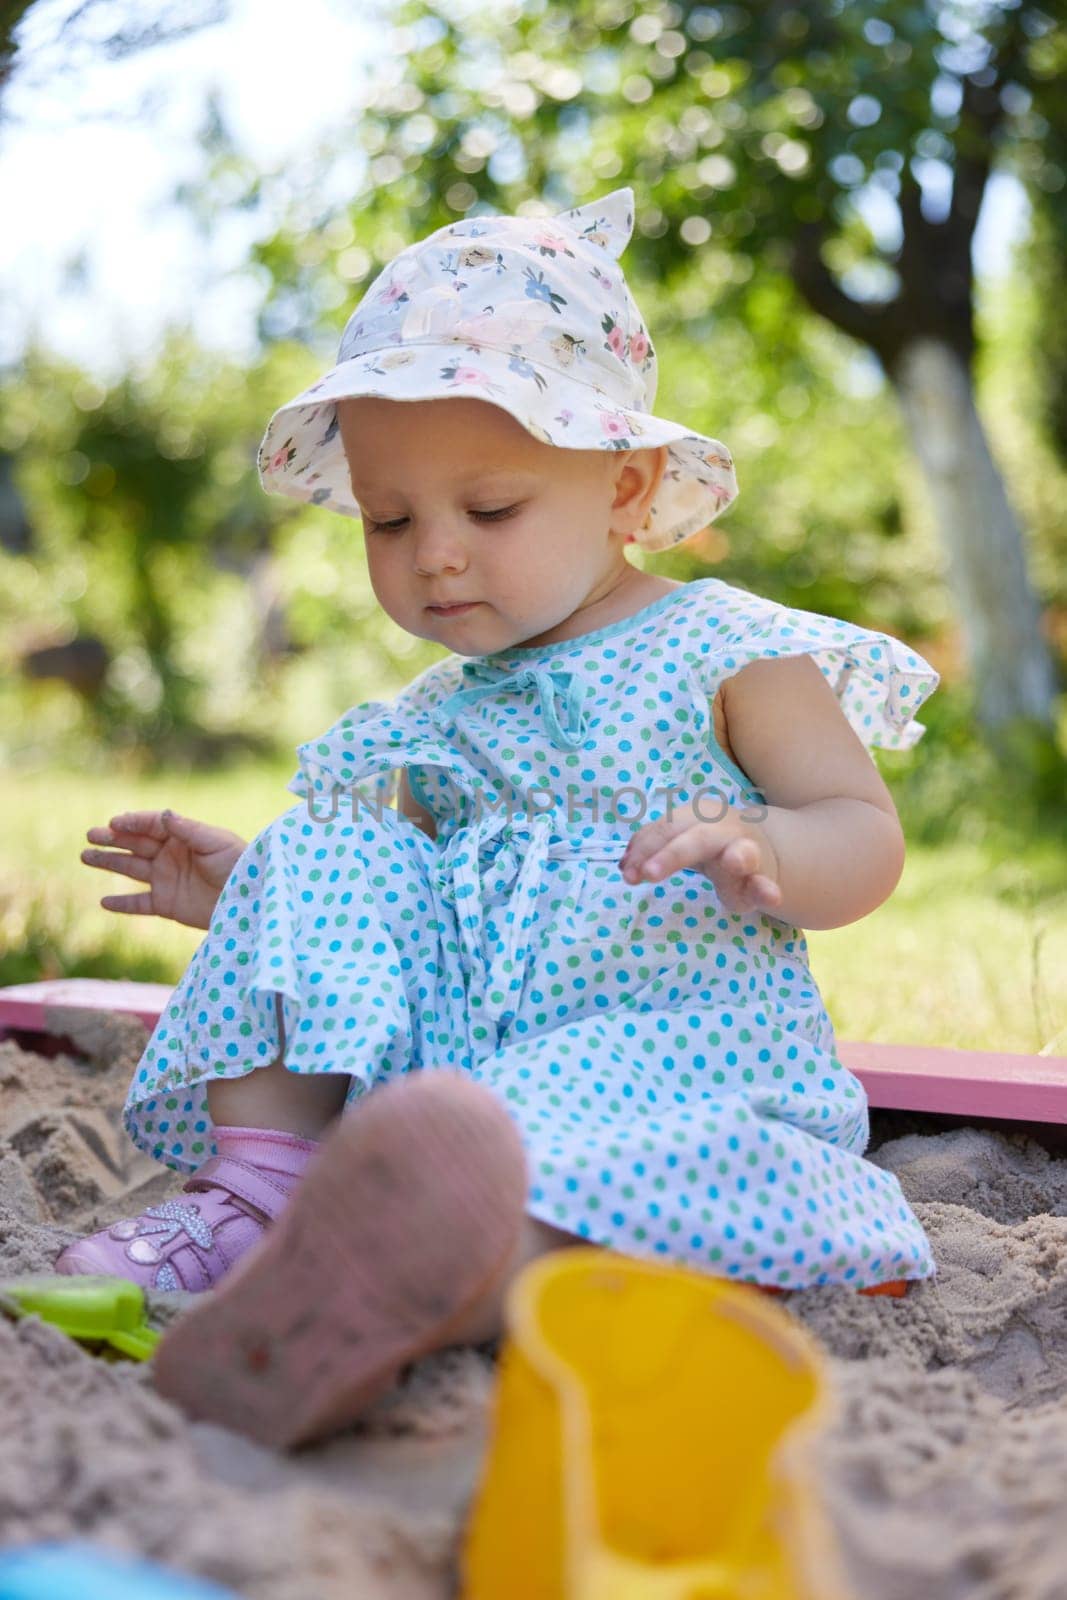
column 556, row 689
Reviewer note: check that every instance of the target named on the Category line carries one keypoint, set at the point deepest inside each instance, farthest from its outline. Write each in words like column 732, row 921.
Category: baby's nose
column 439, row 551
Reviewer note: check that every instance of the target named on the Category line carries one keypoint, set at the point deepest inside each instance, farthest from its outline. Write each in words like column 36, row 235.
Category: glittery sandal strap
column 187, row 1243
column 243, row 1180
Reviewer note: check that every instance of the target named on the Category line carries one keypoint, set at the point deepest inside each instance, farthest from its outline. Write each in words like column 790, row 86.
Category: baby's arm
column 831, row 821
column 830, row 840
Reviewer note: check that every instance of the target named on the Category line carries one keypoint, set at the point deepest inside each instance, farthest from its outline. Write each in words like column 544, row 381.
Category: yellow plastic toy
column 650, row 1442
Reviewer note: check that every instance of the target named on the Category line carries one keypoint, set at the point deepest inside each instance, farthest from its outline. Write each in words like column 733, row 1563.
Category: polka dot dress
column 669, row 1064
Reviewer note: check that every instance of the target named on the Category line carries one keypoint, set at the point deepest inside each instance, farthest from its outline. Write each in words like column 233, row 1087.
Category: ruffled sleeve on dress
column 365, row 747
column 357, row 747
column 880, row 683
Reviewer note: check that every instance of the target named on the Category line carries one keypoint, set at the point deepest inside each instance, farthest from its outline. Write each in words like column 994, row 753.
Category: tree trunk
column 1008, row 657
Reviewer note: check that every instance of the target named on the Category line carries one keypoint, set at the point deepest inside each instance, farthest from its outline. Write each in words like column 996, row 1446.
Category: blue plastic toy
column 63, row 1571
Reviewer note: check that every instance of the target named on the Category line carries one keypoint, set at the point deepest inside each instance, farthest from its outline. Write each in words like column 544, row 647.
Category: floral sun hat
column 531, row 314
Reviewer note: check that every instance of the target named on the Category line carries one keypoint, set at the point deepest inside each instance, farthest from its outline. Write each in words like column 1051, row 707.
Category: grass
column 51, row 921
column 970, row 951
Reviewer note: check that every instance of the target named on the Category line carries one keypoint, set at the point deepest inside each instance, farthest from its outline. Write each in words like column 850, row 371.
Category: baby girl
column 560, row 993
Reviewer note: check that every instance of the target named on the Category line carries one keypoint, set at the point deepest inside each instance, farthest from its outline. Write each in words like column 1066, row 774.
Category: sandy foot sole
column 409, row 1215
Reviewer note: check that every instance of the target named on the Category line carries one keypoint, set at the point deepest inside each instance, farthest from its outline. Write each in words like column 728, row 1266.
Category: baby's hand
column 184, row 863
column 736, row 855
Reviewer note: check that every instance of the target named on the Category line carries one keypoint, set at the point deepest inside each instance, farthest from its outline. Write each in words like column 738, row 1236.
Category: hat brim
column 301, row 455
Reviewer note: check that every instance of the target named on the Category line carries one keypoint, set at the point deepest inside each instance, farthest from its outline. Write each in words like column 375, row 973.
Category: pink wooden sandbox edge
column 24, row 1005
column 975, row 1083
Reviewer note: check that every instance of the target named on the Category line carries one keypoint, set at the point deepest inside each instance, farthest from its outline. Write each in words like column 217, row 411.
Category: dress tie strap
column 500, row 863
column 561, row 693
column 482, row 862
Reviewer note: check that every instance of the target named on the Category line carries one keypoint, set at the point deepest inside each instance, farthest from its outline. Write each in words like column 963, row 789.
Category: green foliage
column 43, row 940
column 51, row 922
column 149, row 530
column 739, row 126
column 820, row 521
column 968, row 952
column 1046, row 275
column 954, row 785
column 133, row 492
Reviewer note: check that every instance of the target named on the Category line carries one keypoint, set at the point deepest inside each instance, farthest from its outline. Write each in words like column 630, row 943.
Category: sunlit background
column 95, row 152
column 194, row 203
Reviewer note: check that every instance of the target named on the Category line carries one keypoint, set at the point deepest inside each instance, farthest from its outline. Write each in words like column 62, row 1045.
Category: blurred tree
column 125, row 31
column 147, row 489
column 844, row 147
column 16, row 530
column 11, row 14
column 1046, row 263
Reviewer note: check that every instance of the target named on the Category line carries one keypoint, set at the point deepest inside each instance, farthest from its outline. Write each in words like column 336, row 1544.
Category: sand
column 944, row 1473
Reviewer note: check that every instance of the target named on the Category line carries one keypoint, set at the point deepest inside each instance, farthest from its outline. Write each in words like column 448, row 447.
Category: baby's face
column 479, row 511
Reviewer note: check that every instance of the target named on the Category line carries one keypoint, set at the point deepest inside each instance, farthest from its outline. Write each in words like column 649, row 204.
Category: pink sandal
column 410, row 1215
column 192, row 1244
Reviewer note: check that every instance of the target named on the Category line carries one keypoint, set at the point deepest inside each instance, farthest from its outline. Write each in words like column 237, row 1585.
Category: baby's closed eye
column 394, row 525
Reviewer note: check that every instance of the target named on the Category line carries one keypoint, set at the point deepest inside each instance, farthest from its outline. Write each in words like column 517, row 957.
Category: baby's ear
column 658, row 457
column 639, row 478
